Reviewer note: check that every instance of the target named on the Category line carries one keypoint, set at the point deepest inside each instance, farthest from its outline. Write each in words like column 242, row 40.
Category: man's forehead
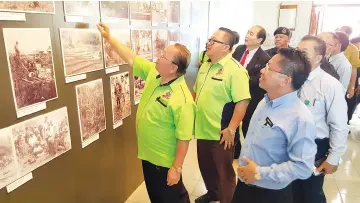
column 219, row 34
column 255, row 29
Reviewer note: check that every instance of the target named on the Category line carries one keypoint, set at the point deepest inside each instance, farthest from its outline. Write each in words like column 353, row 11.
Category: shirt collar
column 172, row 83
column 336, row 56
column 224, row 60
column 314, row 73
column 252, row 52
column 281, row 100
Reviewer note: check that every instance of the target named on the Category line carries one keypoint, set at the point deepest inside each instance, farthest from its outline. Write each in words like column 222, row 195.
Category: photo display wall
column 66, row 77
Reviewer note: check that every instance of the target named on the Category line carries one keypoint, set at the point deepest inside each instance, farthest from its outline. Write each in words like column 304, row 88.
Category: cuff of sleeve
column 333, row 160
column 264, row 172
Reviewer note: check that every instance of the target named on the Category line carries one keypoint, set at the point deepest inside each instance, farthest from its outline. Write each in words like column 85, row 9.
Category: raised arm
column 124, row 52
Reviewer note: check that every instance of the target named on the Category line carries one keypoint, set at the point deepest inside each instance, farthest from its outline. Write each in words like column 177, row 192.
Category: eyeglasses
column 162, row 56
column 212, row 41
column 267, row 69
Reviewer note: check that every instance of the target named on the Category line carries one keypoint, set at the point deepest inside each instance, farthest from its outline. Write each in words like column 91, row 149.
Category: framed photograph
column 114, row 11
column 120, row 97
column 111, row 57
column 160, row 42
column 81, row 50
column 287, row 16
column 140, row 12
column 47, row 7
column 185, row 13
column 139, row 85
column 91, row 109
column 40, row 139
column 173, row 13
column 30, row 62
column 141, row 43
column 158, row 12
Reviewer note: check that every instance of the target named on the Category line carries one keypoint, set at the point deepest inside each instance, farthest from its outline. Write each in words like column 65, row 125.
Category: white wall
column 266, row 13
column 235, row 15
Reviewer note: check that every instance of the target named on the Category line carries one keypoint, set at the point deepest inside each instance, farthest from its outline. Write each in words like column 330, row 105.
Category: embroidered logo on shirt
column 307, row 102
column 167, row 95
column 220, row 72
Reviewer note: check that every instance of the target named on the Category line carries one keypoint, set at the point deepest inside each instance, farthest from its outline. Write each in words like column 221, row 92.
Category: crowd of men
column 289, row 103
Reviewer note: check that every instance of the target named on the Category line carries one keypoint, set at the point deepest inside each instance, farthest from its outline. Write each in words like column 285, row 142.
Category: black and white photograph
column 30, row 62
column 46, row 7
column 173, row 13
column 41, row 139
column 112, row 11
column 158, row 12
column 91, row 108
column 120, row 97
column 81, row 50
column 8, row 162
column 141, row 43
column 140, row 12
column 160, row 42
column 111, row 57
column 81, row 8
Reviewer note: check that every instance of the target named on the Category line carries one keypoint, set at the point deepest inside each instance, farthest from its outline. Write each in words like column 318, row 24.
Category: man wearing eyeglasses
column 164, row 119
column 280, row 146
column 324, row 97
column 222, row 95
column 335, row 48
column 252, row 57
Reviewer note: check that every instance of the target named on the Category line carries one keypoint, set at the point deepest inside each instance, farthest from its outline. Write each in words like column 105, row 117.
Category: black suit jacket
column 258, row 62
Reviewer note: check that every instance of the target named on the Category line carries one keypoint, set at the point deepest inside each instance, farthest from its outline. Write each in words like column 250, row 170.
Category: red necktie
column 244, row 57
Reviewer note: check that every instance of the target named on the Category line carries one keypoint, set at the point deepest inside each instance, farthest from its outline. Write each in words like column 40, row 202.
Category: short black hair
column 232, row 37
column 182, row 59
column 320, row 47
column 296, row 65
column 343, row 39
column 261, row 34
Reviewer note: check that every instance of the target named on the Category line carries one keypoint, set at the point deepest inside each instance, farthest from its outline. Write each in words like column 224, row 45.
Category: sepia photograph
column 91, row 108
column 81, row 8
column 139, row 85
column 111, row 57
column 185, row 13
column 114, row 9
column 120, row 97
column 173, row 14
column 28, row 6
column 140, row 10
column 30, row 63
column 8, row 163
column 141, row 43
column 81, row 50
column 159, row 42
column 158, row 12
column 41, row 139
column 173, row 36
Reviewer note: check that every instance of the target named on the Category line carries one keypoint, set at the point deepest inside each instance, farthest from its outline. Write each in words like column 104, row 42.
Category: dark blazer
column 258, row 62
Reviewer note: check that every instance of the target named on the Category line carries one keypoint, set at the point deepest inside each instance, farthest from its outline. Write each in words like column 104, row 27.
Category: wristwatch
column 232, row 132
column 257, row 173
column 177, row 169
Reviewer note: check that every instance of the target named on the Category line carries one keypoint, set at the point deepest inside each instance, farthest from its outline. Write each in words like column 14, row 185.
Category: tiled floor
column 341, row 187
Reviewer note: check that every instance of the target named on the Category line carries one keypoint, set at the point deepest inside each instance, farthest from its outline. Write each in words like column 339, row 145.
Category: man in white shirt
column 335, row 47
column 323, row 95
column 252, row 57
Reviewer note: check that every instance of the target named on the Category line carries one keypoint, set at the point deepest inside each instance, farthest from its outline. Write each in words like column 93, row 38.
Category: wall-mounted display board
column 54, row 62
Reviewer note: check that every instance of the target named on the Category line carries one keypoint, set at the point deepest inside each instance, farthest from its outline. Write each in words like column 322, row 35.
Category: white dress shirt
column 324, row 97
column 250, row 56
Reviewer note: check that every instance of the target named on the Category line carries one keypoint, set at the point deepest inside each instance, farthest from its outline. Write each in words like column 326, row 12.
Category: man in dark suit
column 252, row 57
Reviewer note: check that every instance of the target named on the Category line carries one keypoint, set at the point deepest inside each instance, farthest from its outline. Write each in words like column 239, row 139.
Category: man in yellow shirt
column 352, row 54
column 164, row 119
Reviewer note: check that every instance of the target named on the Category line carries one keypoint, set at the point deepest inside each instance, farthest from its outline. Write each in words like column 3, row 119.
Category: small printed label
column 12, row 16
column 13, row 186
column 112, row 69
column 75, row 78
column 31, row 109
column 90, row 140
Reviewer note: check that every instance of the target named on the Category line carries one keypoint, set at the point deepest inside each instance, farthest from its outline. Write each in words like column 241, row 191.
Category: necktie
column 244, row 57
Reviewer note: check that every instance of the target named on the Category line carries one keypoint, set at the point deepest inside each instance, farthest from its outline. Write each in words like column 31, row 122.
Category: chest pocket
column 319, row 107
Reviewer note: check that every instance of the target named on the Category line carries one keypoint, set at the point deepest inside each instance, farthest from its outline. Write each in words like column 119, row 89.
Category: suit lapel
column 254, row 60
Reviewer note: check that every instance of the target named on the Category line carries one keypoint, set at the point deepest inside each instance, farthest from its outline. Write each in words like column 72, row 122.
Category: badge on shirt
column 164, row 99
column 220, row 72
column 219, row 75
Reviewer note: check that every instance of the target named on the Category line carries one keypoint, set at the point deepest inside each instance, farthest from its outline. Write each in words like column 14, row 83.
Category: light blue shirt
column 286, row 150
column 343, row 68
column 324, row 96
